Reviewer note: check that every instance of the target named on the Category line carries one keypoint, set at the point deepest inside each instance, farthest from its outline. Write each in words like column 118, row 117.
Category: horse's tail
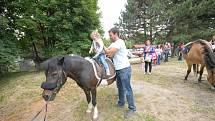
column 209, row 56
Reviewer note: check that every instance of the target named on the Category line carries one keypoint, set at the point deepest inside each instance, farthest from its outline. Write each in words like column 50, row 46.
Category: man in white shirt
column 118, row 51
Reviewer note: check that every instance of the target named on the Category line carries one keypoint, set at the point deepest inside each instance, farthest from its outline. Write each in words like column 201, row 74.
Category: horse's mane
column 187, row 48
column 188, row 44
column 44, row 65
column 209, row 56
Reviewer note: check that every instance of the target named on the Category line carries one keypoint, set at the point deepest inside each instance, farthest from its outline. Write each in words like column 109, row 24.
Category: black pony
column 86, row 72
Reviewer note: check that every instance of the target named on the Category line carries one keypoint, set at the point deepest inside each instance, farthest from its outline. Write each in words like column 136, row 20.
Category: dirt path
column 172, row 99
column 162, row 96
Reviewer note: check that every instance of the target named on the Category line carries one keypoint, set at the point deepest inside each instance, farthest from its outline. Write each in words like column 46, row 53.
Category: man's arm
column 110, row 51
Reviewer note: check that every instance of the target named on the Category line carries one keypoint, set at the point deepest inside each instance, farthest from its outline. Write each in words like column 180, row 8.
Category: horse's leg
column 210, row 79
column 195, row 69
column 200, row 73
column 188, row 71
column 89, row 101
column 95, row 113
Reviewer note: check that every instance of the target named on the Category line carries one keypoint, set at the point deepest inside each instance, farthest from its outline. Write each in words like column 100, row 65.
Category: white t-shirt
column 120, row 58
column 213, row 46
column 158, row 51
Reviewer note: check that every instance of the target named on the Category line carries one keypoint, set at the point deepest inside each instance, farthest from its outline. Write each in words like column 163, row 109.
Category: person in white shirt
column 118, row 51
column 158, row 51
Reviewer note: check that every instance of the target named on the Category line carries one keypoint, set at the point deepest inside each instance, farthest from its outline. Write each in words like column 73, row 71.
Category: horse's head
column 55, row 77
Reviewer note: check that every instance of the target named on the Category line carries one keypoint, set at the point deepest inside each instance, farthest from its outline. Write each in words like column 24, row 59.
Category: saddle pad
column 99, row 69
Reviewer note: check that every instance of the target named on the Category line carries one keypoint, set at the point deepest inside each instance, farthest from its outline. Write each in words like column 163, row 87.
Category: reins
column 46, row 109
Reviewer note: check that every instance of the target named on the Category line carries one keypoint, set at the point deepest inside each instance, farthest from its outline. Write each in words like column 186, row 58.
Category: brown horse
column 190, row 57
column 197, row 53
column 85, row 72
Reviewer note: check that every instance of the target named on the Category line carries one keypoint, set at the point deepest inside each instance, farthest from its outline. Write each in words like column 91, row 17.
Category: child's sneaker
column 108, row 72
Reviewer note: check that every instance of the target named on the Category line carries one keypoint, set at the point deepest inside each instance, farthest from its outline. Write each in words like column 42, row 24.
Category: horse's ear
column 61, row 60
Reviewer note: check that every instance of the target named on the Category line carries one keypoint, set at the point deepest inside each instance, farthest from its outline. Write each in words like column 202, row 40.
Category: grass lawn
column 162, row 96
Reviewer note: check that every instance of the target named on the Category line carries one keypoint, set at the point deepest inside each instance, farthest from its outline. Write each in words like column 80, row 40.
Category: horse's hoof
column 88, row 111
column 212, row 88
column 95, row 118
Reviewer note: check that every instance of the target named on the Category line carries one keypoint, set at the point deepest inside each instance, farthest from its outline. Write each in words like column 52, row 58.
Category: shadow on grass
column 18, row 84
column 6, row 78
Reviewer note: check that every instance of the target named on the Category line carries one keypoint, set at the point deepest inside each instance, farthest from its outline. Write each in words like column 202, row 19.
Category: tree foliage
column 168, row 20
column 39, row 29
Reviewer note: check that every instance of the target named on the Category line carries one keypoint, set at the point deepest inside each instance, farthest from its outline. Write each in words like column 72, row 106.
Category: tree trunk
column 37, row 59
column 42, row 29
column 150, row 31
column 173, row 50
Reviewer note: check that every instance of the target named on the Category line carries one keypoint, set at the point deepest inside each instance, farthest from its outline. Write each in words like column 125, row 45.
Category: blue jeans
column 166, row 54
column 124, row 88
column 103, row 61
column 159, row 60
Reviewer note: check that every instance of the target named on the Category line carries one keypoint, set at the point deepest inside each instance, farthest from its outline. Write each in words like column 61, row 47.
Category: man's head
column 114, row 34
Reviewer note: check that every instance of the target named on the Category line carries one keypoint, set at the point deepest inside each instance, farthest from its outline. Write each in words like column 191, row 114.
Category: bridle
column 59, row 81
column 59, row 84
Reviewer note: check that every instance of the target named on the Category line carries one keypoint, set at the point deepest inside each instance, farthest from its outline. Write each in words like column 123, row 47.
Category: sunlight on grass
column 2, row 98
column 149, row 118
column 202, row 109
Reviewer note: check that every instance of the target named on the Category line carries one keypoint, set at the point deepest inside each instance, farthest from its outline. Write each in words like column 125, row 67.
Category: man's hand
column 110, row 51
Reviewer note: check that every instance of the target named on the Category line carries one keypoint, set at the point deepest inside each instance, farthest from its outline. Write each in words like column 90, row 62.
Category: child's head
column 95, row 35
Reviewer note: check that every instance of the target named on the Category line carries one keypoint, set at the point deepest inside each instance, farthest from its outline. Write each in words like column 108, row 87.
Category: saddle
column 100, row 70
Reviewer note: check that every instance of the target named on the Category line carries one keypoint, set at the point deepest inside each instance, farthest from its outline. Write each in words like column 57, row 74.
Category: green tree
column 45, row 28
column 169, row 20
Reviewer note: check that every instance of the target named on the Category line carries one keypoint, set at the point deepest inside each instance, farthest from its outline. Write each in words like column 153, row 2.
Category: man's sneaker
column 149, row 73
column 145, row 73
column 129, row 113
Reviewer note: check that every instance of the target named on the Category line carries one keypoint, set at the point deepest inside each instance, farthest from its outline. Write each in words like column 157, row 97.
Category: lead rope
column 38, row 113
column 46, row 110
